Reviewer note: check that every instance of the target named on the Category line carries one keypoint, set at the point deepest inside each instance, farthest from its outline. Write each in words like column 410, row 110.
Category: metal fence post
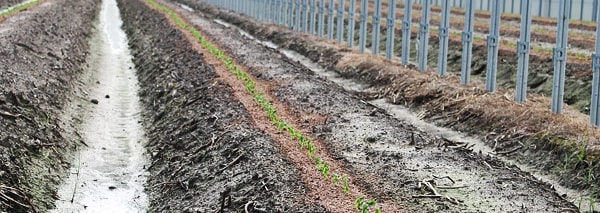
column 376, row 28
column 321, row 17
column 391, row 26
column 540, row 8
column 305, row 16
column 406, row 24
column 467, row 40
column 512, row 6
column 444, row 24
column 351, row 22
column 291, row 14
column 331, row 14
column 298, row 15
column 595, row 105
column 257, row 10
column 313, row 16
column 340, row 22
column 595, row 11
column 581, row 11
column 492, row 45
column 274, row 11
column 549, row 9
column 279, row 12
column 423, row 36
column 523, row 51
column 362, row 40
column 560, row 56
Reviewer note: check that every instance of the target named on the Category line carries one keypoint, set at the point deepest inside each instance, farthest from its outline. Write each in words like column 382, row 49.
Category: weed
column 311, row 150
column 581, row 152
column 363, row 206
column 565, row 166
column 345, row 185
column 336, row 178
column 589, row 176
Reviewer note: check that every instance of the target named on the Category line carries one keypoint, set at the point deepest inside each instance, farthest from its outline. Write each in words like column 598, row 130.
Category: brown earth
column 212, row 150
column 196, row 128
column 546, row 141
column 357, row 133
column 43, row 53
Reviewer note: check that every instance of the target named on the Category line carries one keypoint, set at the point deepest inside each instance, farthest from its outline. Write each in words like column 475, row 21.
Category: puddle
column 108, row 175
column 578, row 198
column 185, row 7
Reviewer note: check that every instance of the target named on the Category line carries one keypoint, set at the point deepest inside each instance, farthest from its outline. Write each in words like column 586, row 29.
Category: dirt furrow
column 207, row 155
column 390, row 158
column 43, row 52
column 549, row 143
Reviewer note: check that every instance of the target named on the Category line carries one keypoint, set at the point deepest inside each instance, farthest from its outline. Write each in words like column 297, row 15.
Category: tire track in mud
column 392, row 159
column 321, row 189
column 206, row 153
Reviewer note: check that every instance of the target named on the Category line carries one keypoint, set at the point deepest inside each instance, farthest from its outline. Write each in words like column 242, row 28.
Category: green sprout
column 363, row 206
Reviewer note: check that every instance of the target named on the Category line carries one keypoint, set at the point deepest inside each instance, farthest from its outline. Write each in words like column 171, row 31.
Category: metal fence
column 584, row 10
column 308, row 16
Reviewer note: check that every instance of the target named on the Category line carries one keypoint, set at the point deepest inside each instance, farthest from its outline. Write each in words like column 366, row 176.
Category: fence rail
column 299, row 14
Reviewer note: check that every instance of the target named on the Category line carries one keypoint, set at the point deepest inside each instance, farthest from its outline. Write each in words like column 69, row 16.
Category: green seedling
column 311, row 150
column 336, row 178
column 345, row 185
column 363, row 206
column 581, row 152
column 282, row 126
column 589, row 176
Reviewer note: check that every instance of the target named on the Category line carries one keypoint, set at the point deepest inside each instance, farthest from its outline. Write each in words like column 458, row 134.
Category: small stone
column 94, row 101
column 112, row 187
column 107, row 96
column 98, row 82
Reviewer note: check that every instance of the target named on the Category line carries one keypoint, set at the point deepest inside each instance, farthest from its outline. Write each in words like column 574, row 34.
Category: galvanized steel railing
column 308, row 16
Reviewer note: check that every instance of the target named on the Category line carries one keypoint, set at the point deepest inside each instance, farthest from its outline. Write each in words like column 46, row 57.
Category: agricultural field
column 181, row 106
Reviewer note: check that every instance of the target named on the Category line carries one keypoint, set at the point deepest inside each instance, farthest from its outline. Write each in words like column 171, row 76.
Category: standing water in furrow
column 108, row 174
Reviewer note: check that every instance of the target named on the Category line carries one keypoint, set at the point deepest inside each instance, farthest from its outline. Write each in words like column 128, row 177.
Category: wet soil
column 206, row 152
column 108, row 174
column 42, row 56
column 441, row 100
column 390, row 158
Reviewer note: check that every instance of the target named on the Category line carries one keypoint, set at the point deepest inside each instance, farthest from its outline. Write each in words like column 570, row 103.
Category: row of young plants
column 18, row 8
column 306, row 143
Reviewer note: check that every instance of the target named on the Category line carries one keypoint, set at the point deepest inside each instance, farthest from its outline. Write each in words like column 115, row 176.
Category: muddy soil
column 390, row 158
column 108, row 174
column 206, row 153
column 43, row 53
column 550, row 152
